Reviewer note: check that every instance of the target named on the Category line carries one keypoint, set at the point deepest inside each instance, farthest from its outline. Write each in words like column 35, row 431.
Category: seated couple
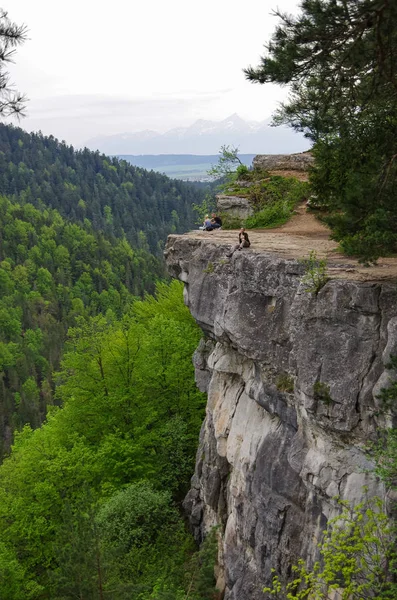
column 214, row 223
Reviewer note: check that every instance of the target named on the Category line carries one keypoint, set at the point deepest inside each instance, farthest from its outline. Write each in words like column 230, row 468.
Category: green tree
column 15, row 584
column 79, row 570
column 206, row 207
column 339, row 57
column 123, row 443
column 143, row 538
column 358, row 559
column 227, row 164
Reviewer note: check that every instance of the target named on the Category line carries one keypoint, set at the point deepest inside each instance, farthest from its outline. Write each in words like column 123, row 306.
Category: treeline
column 114, row 196
column 87, row 501
column 52, row 272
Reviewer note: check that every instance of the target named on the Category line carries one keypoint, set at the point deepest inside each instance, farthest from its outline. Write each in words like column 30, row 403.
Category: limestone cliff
column 292, row 380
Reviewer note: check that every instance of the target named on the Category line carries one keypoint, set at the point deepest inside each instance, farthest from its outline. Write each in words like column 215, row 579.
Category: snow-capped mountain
column 205, row 137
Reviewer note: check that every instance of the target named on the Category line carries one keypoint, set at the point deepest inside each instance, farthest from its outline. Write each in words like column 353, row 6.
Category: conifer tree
column 340, row 59
column 12, row 35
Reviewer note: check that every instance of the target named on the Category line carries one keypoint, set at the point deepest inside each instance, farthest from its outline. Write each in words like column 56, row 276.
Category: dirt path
column 297, row 238
column 303, row 223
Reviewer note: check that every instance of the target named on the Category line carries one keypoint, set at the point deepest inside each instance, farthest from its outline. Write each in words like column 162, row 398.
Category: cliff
column 292, row 381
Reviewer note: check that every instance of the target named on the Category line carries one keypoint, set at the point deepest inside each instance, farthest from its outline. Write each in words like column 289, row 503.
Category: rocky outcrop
column 284, row 162
column 292, row 381
column 234, row 206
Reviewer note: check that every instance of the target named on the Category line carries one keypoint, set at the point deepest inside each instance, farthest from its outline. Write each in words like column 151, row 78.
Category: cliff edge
column 292, row 381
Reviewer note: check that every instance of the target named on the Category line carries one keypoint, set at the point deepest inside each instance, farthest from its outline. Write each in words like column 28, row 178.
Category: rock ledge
column 276, row 447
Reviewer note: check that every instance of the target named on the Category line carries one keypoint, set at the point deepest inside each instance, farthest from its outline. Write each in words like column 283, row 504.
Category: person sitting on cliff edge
column 243, row 242
column 206, row 226
column 216, row 222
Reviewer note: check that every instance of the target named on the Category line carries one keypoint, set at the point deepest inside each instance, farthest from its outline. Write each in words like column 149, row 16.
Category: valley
column 187, row 167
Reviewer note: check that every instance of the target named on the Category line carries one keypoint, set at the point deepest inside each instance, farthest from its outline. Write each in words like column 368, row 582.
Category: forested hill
column 78, row 237
column 114, row 195
column 99, row 412
column 52, row 273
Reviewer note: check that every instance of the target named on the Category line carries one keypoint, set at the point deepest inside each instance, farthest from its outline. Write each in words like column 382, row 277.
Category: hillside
column 79, row 237
column 93, row 379
column 53, row 273
column 114, row 196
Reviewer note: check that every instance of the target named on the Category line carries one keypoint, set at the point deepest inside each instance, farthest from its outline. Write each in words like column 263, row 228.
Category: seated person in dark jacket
column 243, row 242
column 216, row 221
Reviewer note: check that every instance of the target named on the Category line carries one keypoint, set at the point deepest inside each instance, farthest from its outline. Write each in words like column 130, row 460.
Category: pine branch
column 12, row 102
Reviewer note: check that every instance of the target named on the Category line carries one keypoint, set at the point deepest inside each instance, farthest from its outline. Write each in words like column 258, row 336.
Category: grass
column 210, row 268
column 274, row 215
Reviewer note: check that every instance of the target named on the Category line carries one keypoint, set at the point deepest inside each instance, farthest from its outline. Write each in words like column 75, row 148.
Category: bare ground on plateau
column 303, row 233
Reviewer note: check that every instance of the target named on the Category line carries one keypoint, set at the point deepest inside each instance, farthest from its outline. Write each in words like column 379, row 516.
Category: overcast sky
column 92, row 67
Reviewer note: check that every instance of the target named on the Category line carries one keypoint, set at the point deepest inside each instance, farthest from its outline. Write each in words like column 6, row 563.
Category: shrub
column 315, row 276
column 231, row 222
column 143, row 539
column 358, row 559
column 242, row 172
column 285, row 383
column 321, row 392
column 274, row 200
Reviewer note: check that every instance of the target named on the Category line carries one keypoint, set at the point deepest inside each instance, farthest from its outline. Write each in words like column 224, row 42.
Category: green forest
column 115, row 197
column 88, row 502
column 53, row 271
column 63, row 257
column 99, row 412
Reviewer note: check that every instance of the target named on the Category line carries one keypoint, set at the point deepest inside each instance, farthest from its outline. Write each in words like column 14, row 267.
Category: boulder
column 284, row 162
column 234, row 206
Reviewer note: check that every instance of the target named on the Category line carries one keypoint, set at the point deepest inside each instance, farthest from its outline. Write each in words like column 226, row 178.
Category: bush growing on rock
column 358, row 559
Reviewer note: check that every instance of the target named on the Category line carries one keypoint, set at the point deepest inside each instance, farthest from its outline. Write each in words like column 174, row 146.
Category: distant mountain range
column 205, row 137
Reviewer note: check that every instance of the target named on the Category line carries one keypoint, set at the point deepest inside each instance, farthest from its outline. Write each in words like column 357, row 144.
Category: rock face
column 292, row 380
column 234, row 206
column 284, row 162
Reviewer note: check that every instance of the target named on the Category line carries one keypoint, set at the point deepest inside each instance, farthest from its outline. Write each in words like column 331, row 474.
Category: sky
column 93, row 68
